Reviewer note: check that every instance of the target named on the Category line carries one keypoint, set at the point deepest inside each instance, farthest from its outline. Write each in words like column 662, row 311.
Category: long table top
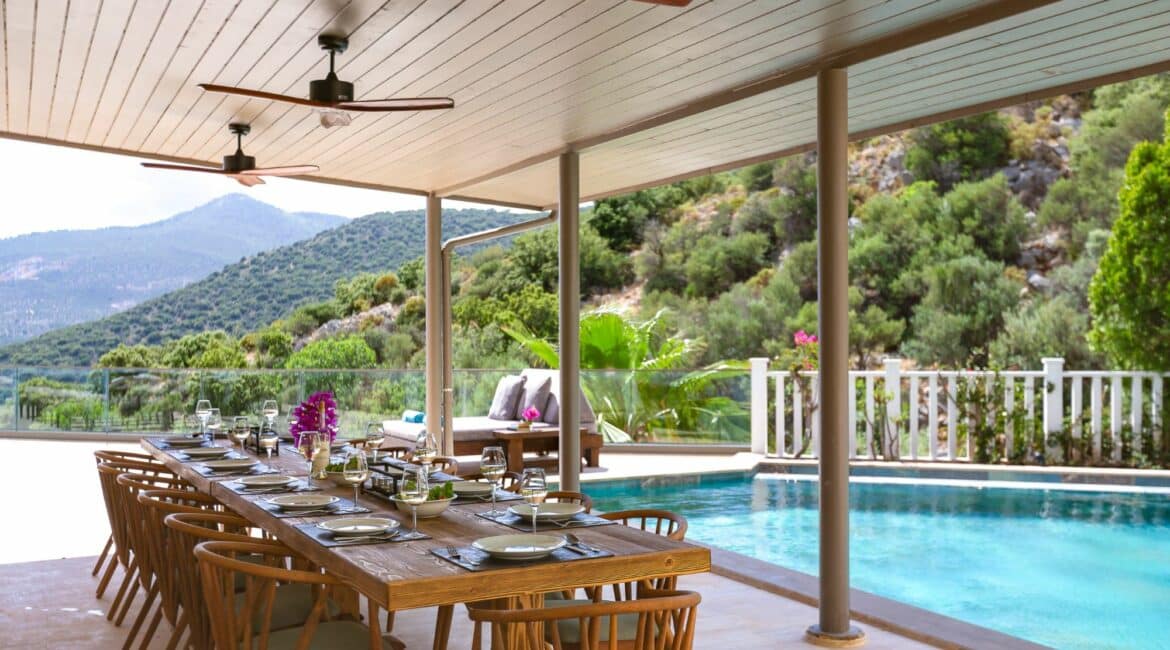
column 405, row 575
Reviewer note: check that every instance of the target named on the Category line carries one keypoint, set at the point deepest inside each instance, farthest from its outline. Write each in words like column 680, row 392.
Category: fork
column 458, row 557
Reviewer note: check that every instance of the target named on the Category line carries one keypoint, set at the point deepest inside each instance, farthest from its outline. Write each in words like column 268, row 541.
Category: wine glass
column 492, row 465
column 534, row 489
column 269, row 410
column 214, row 422
column 202, row 410
column 309, row 444
column 426, row 449
column 374, row 438
column 240, row 430
column 414, row 492
column 355, row 472
column 268, row 442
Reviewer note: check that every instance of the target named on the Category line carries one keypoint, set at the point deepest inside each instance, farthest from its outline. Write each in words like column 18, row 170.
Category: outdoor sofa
column 532, row 387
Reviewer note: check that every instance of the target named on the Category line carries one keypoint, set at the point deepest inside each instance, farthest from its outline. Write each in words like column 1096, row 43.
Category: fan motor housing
column 238, row 162
column 330, row 90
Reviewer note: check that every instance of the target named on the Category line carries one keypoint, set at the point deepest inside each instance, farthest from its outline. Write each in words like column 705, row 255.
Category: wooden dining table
column 406, row 575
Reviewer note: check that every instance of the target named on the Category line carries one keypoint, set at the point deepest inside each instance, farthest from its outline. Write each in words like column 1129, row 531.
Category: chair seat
column 334, row 635
column 570, row 630
column 290, row 606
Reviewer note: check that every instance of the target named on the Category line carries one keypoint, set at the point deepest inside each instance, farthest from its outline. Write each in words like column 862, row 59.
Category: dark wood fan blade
column 669, row 3
column 260, row 94
column 248, row 180
column 184, row 168
column 292, row 170
column 403, row 104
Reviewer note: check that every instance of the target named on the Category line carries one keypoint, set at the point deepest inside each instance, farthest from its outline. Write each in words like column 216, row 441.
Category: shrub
column 958, row 150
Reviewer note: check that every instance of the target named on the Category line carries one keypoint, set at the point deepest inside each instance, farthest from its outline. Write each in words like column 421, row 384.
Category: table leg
column 443, row 626
column 515, row 455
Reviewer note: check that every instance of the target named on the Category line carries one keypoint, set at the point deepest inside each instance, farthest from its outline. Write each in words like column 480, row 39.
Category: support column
column 569, row 199
column 833, row 628
column 448, row 398
column 433, row 250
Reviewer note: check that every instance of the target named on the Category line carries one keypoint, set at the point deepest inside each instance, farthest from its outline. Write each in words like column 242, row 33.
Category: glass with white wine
column 426, row 449
column 202, row 410
column 493, row 464
column 414, row 492
column 355, row 472
column 269, row 410
column 534, row 489
column 240, row 430
column 214, row 423
column 268, row 442
column 309, row 444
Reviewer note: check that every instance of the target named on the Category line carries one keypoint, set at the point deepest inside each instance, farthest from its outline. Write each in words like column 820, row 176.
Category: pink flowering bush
column 318, row 413
column 530, row 414
column 807, row 348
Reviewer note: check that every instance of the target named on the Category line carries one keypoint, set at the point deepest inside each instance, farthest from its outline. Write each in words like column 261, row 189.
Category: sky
column 49, row 187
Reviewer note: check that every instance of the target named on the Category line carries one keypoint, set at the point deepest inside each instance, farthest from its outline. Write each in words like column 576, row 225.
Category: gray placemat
column 343, row 507
column 299, row 486
column 326, row 538
column 475, row 560
column 510, row 520
column 255, row 471
column 501, row 497
column 184, row 458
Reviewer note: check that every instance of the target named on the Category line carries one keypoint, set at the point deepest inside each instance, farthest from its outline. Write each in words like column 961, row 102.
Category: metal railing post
column 106, row 400
column 759, row 404
column 16, row 399
column 1053, row 396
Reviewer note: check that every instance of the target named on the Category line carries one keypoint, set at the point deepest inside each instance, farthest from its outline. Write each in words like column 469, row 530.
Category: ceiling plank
column 107, row 37
column 79, row 28
column 19, row 24
column 47, row 43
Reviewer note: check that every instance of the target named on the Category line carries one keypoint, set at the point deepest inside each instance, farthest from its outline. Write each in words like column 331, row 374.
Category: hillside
column 255, row 290
column 53, row 279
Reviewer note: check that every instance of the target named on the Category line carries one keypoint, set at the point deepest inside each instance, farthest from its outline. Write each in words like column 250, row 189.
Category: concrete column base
column 854, row 638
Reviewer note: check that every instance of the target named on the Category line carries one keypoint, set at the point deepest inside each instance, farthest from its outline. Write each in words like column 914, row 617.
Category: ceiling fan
column 240, row 167
column 332, row 95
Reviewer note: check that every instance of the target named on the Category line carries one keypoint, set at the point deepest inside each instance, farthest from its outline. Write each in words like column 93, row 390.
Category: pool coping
column 884, row 613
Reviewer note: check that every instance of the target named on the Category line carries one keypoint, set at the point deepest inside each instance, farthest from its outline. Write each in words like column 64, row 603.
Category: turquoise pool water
column 1062, row 568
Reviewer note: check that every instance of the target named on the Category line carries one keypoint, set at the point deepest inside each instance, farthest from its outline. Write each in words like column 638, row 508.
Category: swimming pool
column 1070, row 569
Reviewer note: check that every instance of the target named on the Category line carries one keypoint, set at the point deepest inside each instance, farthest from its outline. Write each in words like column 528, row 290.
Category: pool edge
column 890, row 615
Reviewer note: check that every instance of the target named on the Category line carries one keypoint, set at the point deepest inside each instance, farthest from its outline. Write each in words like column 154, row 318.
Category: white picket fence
column 930, row 431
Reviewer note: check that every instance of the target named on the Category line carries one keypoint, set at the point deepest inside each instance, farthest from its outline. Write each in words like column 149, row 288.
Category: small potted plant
column 530, row 415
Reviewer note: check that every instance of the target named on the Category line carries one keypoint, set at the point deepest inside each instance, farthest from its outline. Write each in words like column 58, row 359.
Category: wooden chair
column 157, row 504
column 659, row 620
column 564, row 496
column 108, row 559
column 661, row 522
column 244, row 619
column 448, row 464
column 122, row 522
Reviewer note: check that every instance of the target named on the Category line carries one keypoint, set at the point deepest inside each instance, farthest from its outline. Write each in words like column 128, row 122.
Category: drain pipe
column 447, row 253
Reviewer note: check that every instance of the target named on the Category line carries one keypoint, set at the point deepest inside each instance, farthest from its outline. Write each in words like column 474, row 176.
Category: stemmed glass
column 414, row 492
column 268, row 441
column 534, row 489
column 269, row 410
column 202, row 411
column 240, row 430
column 214, row 422
column 426, row 449
column 309, row 444
column 492, row 465
column 355, row 472
column 374, row 437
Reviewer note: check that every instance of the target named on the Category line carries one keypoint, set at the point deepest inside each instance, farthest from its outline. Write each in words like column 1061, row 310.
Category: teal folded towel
column 414, row 417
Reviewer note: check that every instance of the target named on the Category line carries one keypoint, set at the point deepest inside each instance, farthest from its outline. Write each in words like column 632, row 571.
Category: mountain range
column 54, row 279
column 255, row 290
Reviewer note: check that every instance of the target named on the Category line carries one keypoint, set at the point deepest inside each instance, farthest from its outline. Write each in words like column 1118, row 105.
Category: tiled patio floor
column 48, row 602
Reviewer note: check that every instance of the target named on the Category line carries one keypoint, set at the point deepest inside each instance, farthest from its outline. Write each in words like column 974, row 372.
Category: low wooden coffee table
column 544, row 439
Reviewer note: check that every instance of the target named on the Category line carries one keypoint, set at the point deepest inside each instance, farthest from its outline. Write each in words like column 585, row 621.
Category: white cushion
column 536, row 394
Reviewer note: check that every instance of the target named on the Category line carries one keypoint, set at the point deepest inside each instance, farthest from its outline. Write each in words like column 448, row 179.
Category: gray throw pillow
column 536, row 394
column 552, row 412
column 507, row 396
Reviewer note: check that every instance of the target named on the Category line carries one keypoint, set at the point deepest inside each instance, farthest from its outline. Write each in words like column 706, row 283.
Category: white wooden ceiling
column 646, row 93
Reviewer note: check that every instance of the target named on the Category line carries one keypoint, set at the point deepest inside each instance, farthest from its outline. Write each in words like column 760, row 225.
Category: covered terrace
column 557, row 103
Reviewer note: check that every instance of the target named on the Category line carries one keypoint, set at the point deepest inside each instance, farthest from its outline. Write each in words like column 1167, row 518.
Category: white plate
column 229, row 464
column 207, row 452
column 518, row 547
column 346, row 526
column 471, row 488
column 185, row 441
column 267, row 480
column 548, row 511
column 303, row 501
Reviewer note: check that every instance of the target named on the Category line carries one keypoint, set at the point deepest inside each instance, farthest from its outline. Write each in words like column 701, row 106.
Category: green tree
column 963, row 149
column 347, row 352
column 1045, row 328
column 989, row 214
column 1130, row 294
column 131, row 356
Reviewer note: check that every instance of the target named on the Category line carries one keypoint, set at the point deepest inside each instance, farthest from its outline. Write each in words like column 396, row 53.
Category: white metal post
column 759, row 404
column 893, row 387
column 1053, row 396
column 433, row 251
